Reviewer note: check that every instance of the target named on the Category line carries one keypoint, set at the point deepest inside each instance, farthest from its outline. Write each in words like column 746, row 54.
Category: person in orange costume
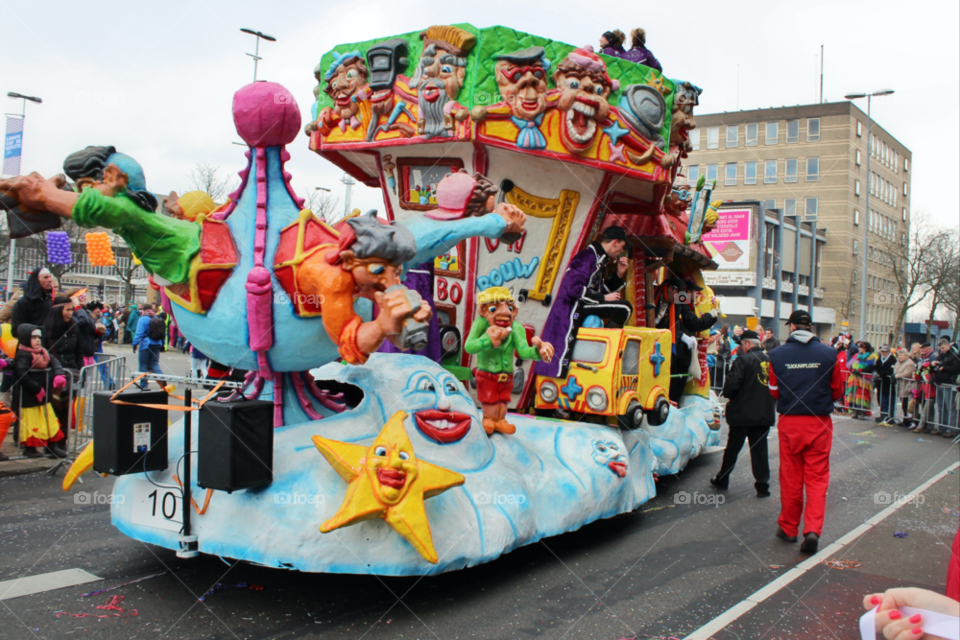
column 368, row 260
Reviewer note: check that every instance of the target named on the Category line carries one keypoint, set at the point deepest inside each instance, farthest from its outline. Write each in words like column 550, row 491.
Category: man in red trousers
column 805, row 382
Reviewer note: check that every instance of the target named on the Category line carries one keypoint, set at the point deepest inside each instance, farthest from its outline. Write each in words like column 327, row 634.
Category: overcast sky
column 156, row 81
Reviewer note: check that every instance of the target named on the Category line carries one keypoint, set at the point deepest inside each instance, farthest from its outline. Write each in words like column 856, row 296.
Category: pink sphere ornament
column 266, row 115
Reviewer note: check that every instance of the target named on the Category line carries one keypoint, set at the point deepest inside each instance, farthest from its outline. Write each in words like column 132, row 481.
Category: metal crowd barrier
column 107, row 374
column 910, row 402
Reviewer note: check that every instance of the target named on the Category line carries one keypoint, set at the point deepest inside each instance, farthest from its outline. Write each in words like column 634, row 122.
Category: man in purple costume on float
column 585, row 291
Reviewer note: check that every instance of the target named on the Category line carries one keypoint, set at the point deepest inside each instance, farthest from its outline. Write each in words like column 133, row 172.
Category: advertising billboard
column 730, row 241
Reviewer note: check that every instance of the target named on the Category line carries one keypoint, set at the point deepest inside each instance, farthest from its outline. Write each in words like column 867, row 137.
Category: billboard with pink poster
column 730, row 241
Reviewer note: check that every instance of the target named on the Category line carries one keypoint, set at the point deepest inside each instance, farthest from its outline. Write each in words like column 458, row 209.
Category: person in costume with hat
column 587, row 290
column 806, row 381
column 494, row 337
column 674, row 311
column 750, row 412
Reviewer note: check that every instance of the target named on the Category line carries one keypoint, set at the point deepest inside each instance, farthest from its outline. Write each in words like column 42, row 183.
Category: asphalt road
column 663, row 570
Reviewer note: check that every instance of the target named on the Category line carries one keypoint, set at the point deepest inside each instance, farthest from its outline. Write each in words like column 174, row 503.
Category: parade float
column 500, row 156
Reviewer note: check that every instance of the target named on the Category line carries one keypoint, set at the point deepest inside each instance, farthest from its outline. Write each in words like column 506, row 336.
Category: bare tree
column 848, row 302
column 942, row 264
column 951, row 297
column 909, row 263
column 203, row 177
column 127, row 271
column 324, row 205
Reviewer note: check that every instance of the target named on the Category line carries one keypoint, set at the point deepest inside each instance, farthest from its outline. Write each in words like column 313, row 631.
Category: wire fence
column 71, row 405
column 915, row 402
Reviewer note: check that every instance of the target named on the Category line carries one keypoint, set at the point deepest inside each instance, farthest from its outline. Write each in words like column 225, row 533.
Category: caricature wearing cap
column 460, row 195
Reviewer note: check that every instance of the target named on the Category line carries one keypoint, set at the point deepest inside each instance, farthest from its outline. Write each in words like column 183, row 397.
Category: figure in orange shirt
column 366, row 263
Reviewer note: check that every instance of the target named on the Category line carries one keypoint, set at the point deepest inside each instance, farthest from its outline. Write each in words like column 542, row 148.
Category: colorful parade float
column 425, row 391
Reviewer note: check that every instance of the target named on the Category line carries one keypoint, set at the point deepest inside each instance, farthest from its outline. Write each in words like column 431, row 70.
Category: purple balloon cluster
column 58, row 248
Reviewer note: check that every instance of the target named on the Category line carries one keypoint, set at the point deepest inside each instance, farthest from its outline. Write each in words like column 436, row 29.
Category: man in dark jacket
column 883, row 381
column 750, row 413
column 945, row 369
column 770, row 341
column 674, row 311
column 806, row 382
column 586, row 290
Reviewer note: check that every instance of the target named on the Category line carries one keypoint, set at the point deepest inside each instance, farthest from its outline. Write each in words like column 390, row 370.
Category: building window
column 904, row 188
column 769, row 171
column 813, row 129
column 694, row 137
column 750, row 173
column 769, row 205
column 859, row 128
column 813, row 169
column 751, row 135
column 816, row 280
column 711, row 173
column 730, row 177
column 906, row 164
column 856, row 188
column 903, row 216
column 858, row 157
column 713, row 137
column 856, row 218
column 856, row 250
column 693, row 173
column 790, row 207
column 733, row 135
column 772, row 132
column 790, row 170
column 811, row 209
column 793, row 131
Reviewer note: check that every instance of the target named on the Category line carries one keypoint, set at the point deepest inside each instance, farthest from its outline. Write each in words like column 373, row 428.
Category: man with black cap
column 750, row 413
column 586, row 290
column 806, row 382
column 674, row 311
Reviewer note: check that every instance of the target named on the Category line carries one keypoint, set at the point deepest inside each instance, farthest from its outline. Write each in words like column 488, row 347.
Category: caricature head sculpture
column 345, row 76
column 677, row 200
column 374, row 252
column 584, row 88
column 498, row 307
column 609, row 454
column 95, row 165
column 681, row 120
column 522, row 79
column 445, row 50
column 391, row 466
column 385, row 61
column 460, row 195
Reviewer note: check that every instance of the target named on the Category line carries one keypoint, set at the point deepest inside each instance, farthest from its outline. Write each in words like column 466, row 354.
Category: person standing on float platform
column 806, row 381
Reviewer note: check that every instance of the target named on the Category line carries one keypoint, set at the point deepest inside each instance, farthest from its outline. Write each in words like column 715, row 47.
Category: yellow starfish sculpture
column 387, row 481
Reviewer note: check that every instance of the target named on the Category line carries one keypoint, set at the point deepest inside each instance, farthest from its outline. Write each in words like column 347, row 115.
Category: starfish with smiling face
column 386, row 480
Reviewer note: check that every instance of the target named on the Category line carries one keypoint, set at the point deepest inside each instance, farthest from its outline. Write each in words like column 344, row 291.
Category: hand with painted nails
column 894, row 625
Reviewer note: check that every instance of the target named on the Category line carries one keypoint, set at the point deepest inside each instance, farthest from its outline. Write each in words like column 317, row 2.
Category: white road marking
column 730, row 615
column 44, row 582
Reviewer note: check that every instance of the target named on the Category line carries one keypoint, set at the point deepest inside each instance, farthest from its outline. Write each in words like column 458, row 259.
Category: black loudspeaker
column 235, row 447
column 125, row 435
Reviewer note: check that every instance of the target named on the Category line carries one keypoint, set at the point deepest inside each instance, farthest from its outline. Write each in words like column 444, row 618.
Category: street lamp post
column 13, row 243
column 256, row 55
column 866, row 220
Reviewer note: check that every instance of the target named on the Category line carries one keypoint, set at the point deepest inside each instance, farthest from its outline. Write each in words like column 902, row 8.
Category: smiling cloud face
column 442, row 420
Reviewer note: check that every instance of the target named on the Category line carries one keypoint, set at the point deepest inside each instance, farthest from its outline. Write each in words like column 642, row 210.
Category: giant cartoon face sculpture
column 445, row 50
column 522, row 78
column 345, row 77
column 584, row 88
column 438, row 404
column 609, row 454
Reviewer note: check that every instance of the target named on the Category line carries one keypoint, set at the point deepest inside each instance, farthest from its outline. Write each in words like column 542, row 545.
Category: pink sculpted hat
column 453, row 194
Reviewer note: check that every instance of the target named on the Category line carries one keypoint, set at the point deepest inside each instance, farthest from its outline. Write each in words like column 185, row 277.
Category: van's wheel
column 633, row 418
column 658, row 415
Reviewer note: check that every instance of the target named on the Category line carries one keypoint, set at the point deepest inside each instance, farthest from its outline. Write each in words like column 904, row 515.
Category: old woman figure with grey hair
column 367, row 263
